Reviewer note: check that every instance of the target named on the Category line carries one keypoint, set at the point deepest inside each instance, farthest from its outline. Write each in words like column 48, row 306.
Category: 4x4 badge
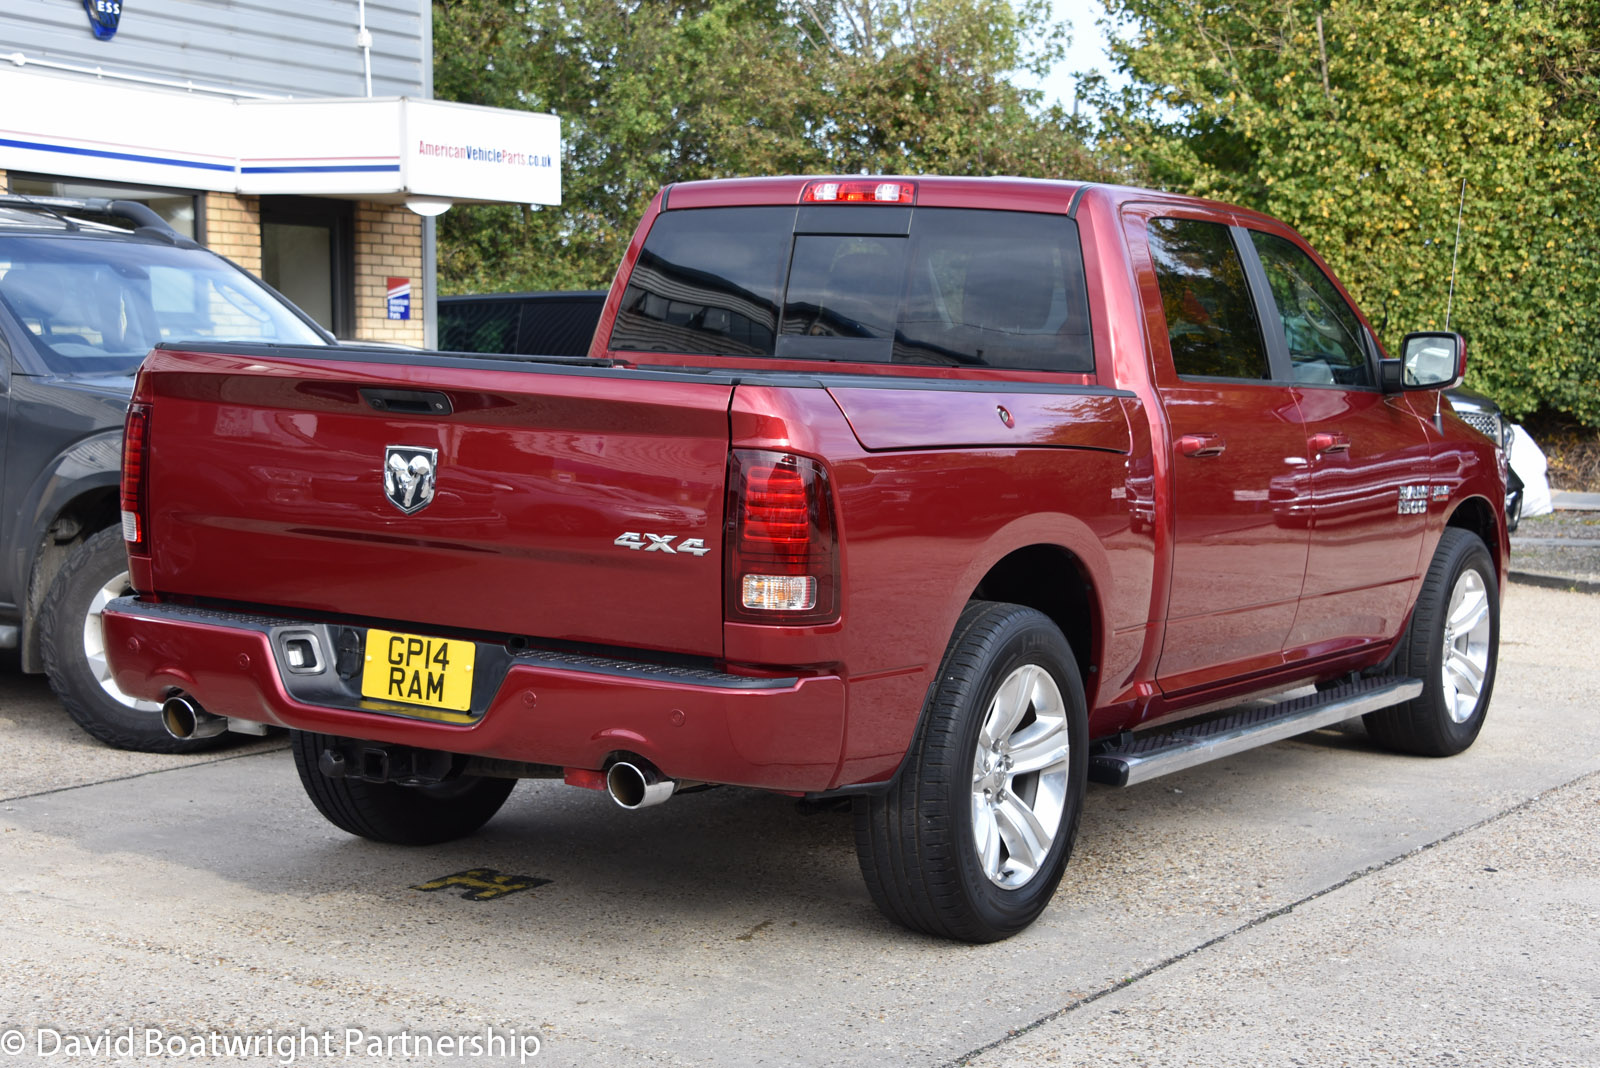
column 661, row 543
column 408, row 476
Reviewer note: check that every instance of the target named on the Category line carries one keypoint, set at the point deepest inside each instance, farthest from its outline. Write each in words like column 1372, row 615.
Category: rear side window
column 1211, row 322
column 1322, row 331
column 952, row 287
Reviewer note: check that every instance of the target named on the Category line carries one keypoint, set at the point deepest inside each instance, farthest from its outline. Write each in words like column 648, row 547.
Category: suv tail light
column 135, row 452
column 782, row 546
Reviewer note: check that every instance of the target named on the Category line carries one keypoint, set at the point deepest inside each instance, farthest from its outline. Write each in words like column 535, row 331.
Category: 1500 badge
column 1414, row 499
column 661, row 544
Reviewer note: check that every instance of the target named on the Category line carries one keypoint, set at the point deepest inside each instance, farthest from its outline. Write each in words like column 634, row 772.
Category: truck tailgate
column 279, row 482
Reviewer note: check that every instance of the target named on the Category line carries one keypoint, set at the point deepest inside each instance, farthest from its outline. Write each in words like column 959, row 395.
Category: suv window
column 97, row 306
column 955, row 286
column 1211, row 321
column 1321, row 330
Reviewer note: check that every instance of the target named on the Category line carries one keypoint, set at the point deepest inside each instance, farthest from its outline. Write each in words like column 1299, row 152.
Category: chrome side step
column 1135, row 758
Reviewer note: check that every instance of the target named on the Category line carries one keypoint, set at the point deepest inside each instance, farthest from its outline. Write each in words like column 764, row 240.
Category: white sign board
column 453, row 150
column 87, row 128
column 319, row 146
column 377, row 147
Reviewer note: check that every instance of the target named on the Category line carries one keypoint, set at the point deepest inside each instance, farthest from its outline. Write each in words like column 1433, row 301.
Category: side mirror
column 1430, row 360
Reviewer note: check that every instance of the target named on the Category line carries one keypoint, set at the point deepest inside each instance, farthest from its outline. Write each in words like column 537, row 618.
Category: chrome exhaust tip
column 183, row 718
column 636, row 786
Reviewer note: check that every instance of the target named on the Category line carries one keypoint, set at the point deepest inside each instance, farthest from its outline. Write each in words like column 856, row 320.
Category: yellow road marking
column 482, row 884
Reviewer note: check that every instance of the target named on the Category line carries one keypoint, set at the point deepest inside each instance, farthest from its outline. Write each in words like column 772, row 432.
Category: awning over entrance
column 372, row 148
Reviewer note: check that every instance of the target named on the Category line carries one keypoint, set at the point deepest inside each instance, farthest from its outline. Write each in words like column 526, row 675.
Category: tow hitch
column 387, row 763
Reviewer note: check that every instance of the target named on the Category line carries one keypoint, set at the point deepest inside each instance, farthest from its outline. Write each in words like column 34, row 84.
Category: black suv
column 533, row 324
column 87, row 287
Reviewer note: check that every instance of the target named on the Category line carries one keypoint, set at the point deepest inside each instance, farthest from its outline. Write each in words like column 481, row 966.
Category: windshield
column 96, row 307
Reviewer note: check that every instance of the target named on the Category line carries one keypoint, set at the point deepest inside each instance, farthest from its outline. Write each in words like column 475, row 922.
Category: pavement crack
column 1258, row 921
column 143, row 774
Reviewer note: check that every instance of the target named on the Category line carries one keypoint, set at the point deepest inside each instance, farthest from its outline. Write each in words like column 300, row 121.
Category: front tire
column 972, row 838
column 1451, row 644
column 389, row 812
column 74, row 651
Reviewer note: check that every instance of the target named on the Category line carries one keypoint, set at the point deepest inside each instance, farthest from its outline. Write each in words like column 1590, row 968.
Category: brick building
column 298, row 139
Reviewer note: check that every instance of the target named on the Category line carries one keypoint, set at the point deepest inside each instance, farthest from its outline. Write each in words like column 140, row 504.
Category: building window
column 179, row 208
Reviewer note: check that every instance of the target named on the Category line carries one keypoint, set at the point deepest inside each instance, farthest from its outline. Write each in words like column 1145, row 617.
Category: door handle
column 1324, row 442
column 1201, row 445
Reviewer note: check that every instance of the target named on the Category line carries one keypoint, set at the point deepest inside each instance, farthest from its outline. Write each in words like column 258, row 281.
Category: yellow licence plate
column 434, row 672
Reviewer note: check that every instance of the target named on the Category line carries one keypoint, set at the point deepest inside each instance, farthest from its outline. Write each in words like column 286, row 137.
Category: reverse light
column 863, row 191
column 135, row 452
column 778, row 593
column 782, row 548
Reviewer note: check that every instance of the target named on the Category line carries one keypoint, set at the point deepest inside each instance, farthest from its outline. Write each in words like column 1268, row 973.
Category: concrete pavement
column 1479, row 949
column 1315, row 902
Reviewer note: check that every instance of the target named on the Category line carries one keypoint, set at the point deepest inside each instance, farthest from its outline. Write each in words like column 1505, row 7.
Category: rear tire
column 73, row 648
column 1451, row 644
column 388, row 812
column 972, row 838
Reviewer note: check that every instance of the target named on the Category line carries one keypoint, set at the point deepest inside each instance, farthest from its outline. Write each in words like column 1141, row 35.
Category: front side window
column 96, row 307
column 1321, row 330
column 1211, row 321
column 953, row 287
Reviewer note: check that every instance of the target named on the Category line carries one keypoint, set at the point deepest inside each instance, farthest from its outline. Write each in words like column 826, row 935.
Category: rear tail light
column 782, row 556
column 135, row 456
column 859, row 191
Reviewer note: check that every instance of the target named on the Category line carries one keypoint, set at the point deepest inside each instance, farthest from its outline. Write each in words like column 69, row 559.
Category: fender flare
column 1049, row 530
column 88, row 469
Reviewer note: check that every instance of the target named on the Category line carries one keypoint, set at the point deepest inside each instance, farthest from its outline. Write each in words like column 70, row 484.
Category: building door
column 308, row 255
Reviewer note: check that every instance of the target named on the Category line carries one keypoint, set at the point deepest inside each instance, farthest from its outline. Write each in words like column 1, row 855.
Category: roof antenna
column 1460, row 210
column 1449, row 303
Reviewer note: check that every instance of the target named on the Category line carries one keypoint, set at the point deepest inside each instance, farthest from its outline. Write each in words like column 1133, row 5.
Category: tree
column 1358, row 122
column 661, row 91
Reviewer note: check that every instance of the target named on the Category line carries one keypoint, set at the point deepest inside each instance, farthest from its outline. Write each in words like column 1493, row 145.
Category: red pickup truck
column 944, row 494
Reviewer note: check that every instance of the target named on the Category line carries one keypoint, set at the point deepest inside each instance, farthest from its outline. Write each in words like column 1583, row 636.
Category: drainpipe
column 364, row 42
column 430, row 282
column 430, row 224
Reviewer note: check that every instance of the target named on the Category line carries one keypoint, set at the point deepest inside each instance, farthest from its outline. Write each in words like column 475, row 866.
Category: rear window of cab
column 938, row 286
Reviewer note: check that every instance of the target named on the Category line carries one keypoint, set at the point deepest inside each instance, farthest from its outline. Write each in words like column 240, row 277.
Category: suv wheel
column 74, row 651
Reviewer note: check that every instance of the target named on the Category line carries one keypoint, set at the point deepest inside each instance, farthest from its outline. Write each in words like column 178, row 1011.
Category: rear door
column 1369, row 456
column 1240, row 486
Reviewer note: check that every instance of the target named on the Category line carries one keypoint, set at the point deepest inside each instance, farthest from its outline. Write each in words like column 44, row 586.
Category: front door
column 1370, row 484
column 1241, row 489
